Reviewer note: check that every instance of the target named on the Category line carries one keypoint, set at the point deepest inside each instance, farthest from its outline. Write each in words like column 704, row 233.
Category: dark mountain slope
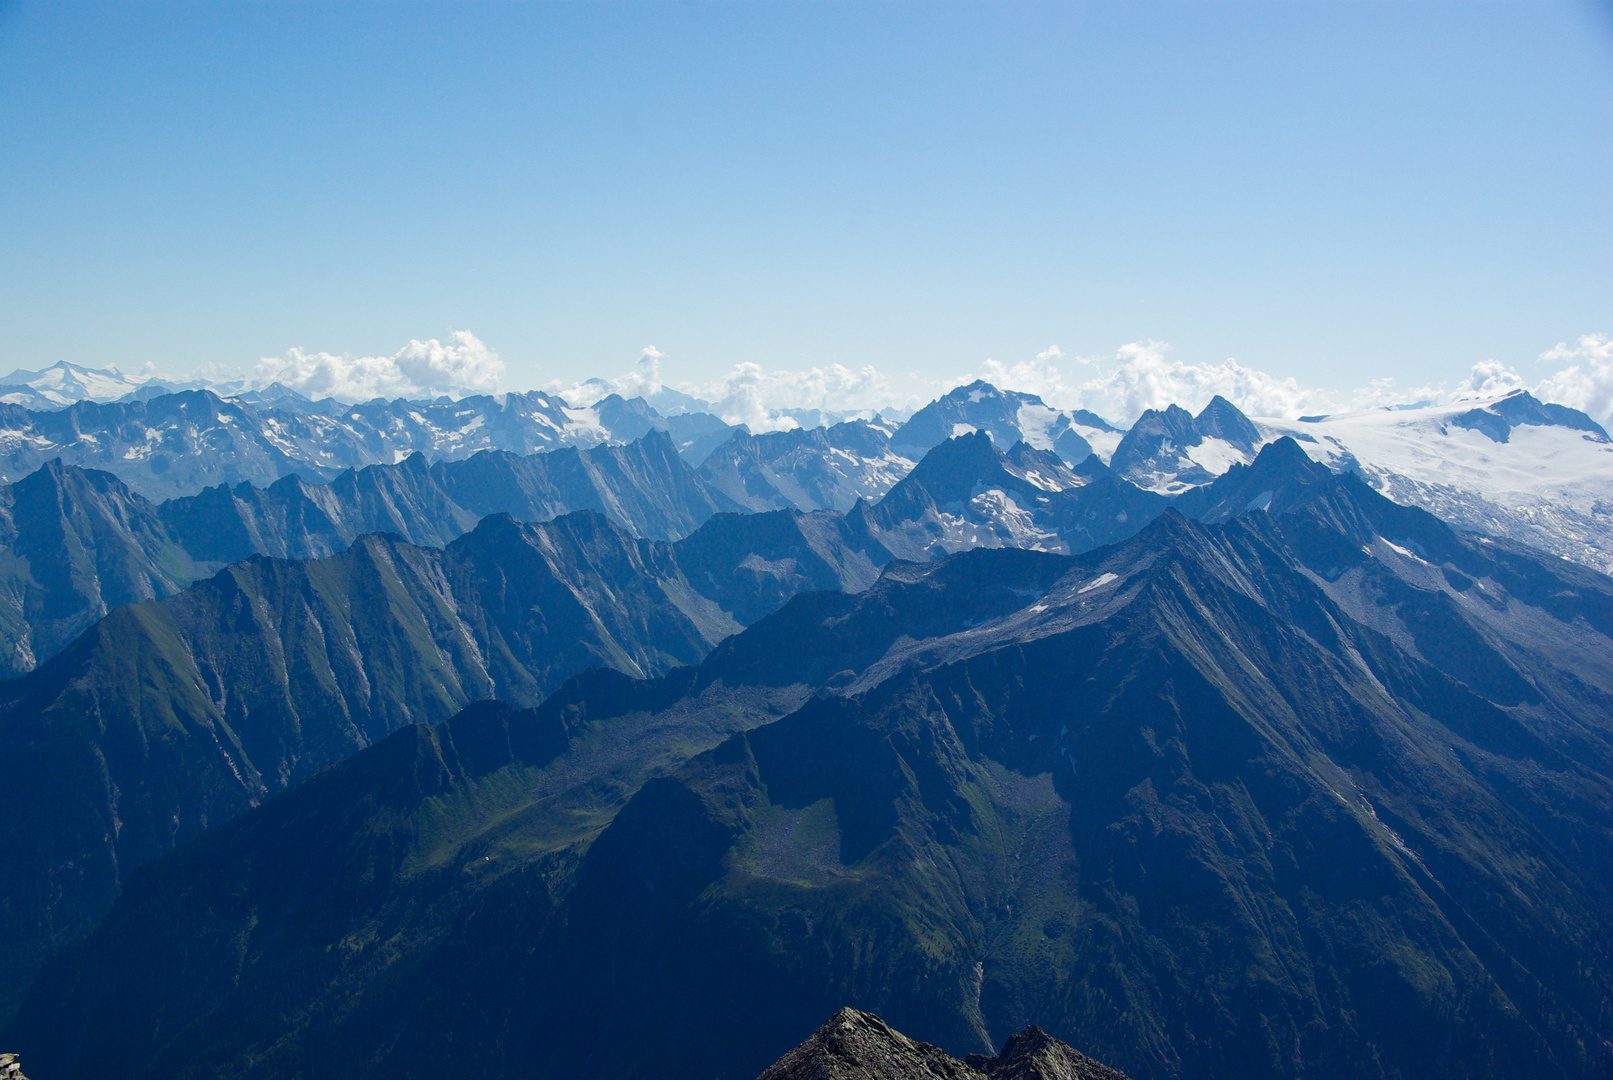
column 295, row 519
column 750, row 564
column 1200, row 821
column 439, row 858
column 76, row 544
column 1202, row 808
column 1105, row 509
column 643, row 486
column 1280, row 478
column 167, row 718
column 854, row 1045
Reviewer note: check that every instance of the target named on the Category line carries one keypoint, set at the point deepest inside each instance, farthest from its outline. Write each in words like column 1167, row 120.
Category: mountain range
column 167, row 717
column 1507, row 466
column 78, row 542
column 1315, row 785
column 502, row 737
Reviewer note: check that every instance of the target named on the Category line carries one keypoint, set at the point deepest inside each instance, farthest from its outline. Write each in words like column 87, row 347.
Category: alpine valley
column 508, row 738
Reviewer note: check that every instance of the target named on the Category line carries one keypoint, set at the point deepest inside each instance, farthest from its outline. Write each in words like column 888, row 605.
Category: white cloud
column 753, row 395
column 1588, row 383
column 741, row 401
column 1141, row 376
column 643, row 381
column 646, row 380
column 1041, row 376
column 1490, row 378
column 419, row 369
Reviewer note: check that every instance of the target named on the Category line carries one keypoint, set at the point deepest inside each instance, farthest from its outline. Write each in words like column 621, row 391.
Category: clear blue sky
column 1334, row 192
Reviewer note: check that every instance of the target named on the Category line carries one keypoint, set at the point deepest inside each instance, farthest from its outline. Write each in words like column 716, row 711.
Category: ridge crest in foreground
column 855, row 1045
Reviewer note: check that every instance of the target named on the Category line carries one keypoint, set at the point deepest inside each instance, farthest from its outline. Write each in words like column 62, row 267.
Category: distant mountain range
column 1317, row 786
column 78, row 542
column 1538, row 473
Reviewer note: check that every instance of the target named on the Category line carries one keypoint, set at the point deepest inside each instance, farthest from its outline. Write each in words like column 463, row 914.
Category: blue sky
column 1332, row 193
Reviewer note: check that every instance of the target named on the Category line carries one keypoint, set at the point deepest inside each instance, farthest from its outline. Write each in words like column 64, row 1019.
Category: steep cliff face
column 74, row 544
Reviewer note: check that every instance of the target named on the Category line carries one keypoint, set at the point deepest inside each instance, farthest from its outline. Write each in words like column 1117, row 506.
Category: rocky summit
column 855, row 1045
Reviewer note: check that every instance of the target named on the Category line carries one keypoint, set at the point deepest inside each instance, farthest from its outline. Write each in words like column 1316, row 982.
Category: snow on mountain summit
column 63, row 383
column 1510, row 466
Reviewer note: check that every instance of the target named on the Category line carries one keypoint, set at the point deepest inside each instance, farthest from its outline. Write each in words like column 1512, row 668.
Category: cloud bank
column 1141, row 375
column 1587, row 385
column 464, row 365
column 643, row 381
column 754, row 396
column 750, row 394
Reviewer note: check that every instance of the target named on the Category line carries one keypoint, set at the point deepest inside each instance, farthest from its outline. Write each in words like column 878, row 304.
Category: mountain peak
column 1033, row 1054
column 1521, row 408
column 856, row 1045
column 1221, row 419
column 1281, row 477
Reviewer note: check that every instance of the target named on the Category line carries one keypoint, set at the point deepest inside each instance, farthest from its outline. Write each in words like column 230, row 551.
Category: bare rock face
column 856, row 1045
column 1033, row 1054
column 10, row 1068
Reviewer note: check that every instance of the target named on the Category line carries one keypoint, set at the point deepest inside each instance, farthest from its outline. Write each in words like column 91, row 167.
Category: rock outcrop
column 855, row 1045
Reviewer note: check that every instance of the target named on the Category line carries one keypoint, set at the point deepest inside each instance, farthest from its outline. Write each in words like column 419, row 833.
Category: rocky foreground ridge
column 855, row 1045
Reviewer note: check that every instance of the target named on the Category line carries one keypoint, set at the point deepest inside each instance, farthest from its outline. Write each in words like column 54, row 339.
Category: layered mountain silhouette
column 169, row 717
column 967, row 493
column 822, row 468
column 1536, row 472
column 855, row 1045
column 166, row 445
column 1319, row 789
column 79, row 542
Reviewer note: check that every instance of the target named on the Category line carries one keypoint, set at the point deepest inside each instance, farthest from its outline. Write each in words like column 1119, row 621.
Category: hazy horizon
column 1336, row 195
